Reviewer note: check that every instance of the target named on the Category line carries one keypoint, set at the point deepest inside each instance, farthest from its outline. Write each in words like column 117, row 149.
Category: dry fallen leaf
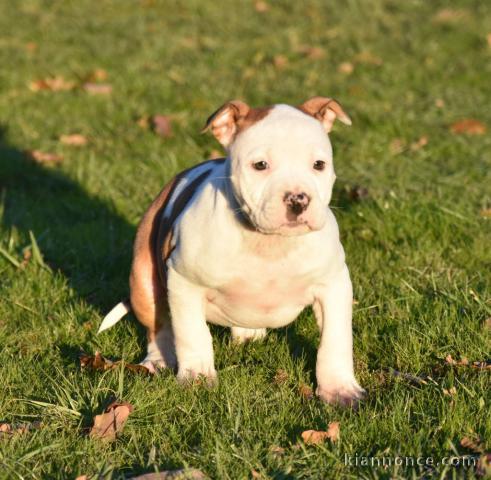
column 31, row 47
column 13, row 428
column 97, row 75
column 280, row 61
column 484, row 466
column 111, row 422
column 315, row 437
column 43, row 157
column 422, row 142
column 53, row 84
column 82, row 477
column 469, row 126
column 439, row 103
column 255, row 474
column 99, row 362
column 464, row 362
column 346, row 68
column 161, row 125
column 485, row 212
column 280, row 377
column 474, row 444
column 488, row 38
column 451, row 392
column 398, row 145
column 277, row 451
column 261, row 6
column 487, row 323
column 98, row 88
column 182, row 474
column 449, row 15
column 75, row 139
column 305, row 392
column 368, row 58
column 333, row 431
column 312, row 52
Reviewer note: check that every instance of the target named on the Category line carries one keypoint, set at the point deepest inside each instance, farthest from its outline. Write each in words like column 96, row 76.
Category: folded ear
column 223, row 123
column 326, row 110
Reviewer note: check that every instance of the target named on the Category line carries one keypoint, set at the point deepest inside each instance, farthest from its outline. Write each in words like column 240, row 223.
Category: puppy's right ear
column 223, row 123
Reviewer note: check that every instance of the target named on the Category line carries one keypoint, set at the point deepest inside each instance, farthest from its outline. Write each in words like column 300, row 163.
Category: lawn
column 412, row 199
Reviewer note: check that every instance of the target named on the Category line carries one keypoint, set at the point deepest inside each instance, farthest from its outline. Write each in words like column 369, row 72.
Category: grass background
column 417, row 247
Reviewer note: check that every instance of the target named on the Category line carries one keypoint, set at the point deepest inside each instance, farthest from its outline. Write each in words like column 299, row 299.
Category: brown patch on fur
column 151, row 249
column 253, row 116
column 233, row 118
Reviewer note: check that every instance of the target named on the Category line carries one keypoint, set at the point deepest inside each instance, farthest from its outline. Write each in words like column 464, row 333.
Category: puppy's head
column 281, row 161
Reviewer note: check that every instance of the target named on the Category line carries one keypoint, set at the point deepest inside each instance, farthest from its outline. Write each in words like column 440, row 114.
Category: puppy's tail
column 115, row 315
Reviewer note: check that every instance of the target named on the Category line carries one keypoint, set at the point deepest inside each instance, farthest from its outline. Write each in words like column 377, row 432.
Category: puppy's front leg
column 336, row 381
column 193, row 342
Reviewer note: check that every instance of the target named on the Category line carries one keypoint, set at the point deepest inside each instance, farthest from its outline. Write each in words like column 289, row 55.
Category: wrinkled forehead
column 284, row 130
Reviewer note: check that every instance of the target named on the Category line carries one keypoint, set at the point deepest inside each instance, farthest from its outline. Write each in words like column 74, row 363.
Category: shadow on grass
column 78, row 234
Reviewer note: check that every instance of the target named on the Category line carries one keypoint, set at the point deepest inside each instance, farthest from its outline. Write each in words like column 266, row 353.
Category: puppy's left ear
column 326, row 110
column 223, row 122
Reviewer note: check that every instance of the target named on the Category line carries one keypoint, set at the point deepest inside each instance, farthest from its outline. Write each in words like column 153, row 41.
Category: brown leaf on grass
column 474, row 444
column 277, row 451
column 485, row 212
column 97, row 75
column 464, row 362
column 469, row 126
column 484, row 466
column 487, row 323
column 333, row 431
column 53, row 84
column 108, row 424
column 161, row 125
column 346, row 67
column 451, row 392
column 368, row 58
column 82, row 477
column 97, row 88
column 26, row 257
column 99, row 362
column 75, row 139
column 312, row 52
column 43, row 157
column 280, row 61
column 255, row 474
column 315, row 437
column 398, row 145
column 261, row 6
column 7, row 429
column 306, row 392
column 281, row 377
column 420, row 143
column 439, row 103
column 181, row 474
column 31, row 47
column 449, row 16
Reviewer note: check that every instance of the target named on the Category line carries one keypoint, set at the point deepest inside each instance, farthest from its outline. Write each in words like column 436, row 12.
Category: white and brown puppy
column 247, row 242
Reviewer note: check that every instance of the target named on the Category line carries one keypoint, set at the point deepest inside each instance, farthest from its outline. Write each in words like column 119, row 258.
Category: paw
column 197, row 372
column 243, row 335
column 346, row 393
column 154, row 365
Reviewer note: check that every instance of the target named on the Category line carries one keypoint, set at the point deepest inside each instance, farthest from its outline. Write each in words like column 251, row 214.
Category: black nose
column 296, row 202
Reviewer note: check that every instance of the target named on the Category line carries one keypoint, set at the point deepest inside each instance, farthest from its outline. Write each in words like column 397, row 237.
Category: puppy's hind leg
column 149, row 302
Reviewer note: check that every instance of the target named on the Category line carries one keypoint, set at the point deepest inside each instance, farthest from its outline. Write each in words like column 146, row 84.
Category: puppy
column 247, row 242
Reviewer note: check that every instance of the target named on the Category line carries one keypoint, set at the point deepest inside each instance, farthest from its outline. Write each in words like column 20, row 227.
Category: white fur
column 225, row 273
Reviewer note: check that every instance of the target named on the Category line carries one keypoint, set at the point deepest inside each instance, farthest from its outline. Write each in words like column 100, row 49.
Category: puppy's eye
column 261, row 165
column 319, row 165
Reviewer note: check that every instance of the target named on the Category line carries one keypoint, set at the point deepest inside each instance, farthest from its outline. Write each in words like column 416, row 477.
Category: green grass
column 417, row 247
